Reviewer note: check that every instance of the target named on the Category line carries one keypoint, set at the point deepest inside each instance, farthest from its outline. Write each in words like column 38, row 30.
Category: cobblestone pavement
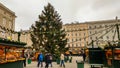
column 55, row 65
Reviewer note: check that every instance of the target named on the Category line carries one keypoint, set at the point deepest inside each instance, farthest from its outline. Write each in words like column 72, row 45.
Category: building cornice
column 7, row 9
column 103, row 21
column 95, row 22
column 75, row 24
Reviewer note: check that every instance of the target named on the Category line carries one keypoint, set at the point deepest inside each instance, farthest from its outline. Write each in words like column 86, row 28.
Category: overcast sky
column 27, row 11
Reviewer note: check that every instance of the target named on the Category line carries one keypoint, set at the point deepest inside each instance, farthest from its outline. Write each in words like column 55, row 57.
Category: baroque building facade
column 25, row 37
column 102, row 31
column 81, row 35
column 77, row 34
column 7, row 22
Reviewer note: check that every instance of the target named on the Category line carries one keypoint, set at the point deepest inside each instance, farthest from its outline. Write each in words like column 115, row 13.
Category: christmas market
column 11, row 54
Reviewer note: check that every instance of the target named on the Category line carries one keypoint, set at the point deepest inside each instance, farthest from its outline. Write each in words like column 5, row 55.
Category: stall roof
column 9, row 44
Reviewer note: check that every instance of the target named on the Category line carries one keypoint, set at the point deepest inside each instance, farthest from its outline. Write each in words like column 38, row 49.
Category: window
column 96, row 37
column 95, row 26
column 4, row 12
column 84, row 39
column 83, row 29
column 80, row 39
column 107, row 37
column 91, row 38
column 76, row 34
column 106, row 26
column 68, row 34
column 76, row 39
column 113, row 37
column 4, row 21
column 72, row 40
column 72, row 45
column 107, row 31
column 89, row 27
column 90, row 32
column 84, row 34
column 10, row 24
column 102, row 37
column 68, row 45
column 112, row 31
column 76, row 45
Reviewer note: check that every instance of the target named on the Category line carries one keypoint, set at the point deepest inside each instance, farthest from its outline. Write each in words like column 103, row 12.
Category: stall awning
column 117, row 51
column 28, row 46
column 73, row 52
column 102, row 46
column 67, row 52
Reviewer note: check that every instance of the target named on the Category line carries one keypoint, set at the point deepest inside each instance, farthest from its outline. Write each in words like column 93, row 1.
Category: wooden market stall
column 11, row 54
column 96, row 57
column 113, row 56
column 108, row 57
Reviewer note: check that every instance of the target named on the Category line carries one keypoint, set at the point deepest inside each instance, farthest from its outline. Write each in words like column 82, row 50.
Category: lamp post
column 19, row 34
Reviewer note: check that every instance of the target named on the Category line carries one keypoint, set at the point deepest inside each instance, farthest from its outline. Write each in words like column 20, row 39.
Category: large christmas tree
column 47, row 33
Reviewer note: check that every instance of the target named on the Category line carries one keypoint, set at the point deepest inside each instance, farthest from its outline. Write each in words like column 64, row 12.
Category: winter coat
column 62, row 57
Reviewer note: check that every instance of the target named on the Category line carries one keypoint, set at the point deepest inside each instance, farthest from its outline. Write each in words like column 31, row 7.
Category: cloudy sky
column 27, row 11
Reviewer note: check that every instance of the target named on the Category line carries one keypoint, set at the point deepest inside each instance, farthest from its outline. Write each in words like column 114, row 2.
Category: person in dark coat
column 50, row 59
column 84, row 56
column 47, row 60
column 24, row 55
column 40, row 60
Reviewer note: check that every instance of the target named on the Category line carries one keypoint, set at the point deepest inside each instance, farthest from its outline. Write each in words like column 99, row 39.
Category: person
column 40, row 60
column 50, row 59
column 62, row 60
column 70, row 59
column 47, row 60
column 24, row 56
column 84, row 56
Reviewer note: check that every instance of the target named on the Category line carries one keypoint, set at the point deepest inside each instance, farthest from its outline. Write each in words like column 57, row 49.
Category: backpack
column 41, row 57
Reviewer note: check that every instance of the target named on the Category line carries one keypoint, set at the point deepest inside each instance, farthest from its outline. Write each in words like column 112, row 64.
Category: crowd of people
column 48, row 60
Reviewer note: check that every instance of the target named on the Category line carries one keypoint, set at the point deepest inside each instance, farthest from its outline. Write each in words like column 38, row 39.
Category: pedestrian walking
column 62, row 60
column 24, row 56
column 50, row 59
column 47, row 61
column 40, row 60
column 84, row 56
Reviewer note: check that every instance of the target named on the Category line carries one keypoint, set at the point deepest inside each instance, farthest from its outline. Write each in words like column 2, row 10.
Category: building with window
column 77, row 35
column 7, row 22
column 25, row 37
column 101, row 31
column 82, row 34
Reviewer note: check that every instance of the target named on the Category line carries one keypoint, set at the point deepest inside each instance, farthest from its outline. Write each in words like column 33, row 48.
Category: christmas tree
column 47, row 33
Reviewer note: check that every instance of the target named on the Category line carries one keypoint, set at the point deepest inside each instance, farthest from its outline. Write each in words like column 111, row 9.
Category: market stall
column 11, row 54
column 113, row 56
column 96, row 57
